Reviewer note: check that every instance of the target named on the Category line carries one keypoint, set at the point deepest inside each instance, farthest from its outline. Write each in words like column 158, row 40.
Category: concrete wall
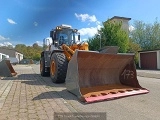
column 158, row 59
column 19, row 56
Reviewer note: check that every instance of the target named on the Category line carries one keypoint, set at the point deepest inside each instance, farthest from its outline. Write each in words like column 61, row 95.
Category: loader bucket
column 6, row 69
column 94, row 76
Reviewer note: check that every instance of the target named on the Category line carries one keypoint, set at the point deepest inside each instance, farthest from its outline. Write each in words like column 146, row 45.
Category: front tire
column 58, row 67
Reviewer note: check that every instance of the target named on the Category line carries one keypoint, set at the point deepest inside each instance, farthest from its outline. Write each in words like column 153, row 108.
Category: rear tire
column 42, row 68
column 58, row 67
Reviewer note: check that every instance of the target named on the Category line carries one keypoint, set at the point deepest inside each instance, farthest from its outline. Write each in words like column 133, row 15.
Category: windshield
column 66, row 36
column 63, row 38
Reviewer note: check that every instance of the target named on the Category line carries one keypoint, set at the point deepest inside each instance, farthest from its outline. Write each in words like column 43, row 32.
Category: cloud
column 85, row 39
column 90, row 32
column 48, row 41
column 99, row 27
column 131, row 28
column 6, row 44
column 86, row 17
column 35, row 24
column 98, row 22
column 11, row 21
column 40, row 43
column 3, row 38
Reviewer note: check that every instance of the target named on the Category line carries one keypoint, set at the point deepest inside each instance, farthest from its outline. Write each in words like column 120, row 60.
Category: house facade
column 123, row 20
column 14, row 56
column 3, row 56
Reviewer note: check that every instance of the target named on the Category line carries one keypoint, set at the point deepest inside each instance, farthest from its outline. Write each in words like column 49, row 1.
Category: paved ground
column 26, row 97
column 30, row 96
column 149, row 73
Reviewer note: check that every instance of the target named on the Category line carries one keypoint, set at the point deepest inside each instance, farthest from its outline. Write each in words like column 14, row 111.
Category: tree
column 30, row 52
column 146, row 35
column 94, row 43
column 111, row 35
column 35, row 45
column 134, row 48
column 37, row 56
column 22, row 49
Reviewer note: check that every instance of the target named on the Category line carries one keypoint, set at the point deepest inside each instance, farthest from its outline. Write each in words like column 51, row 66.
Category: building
column 149, row 59
column 3, row 56
column 14, row 56
column 123, row 20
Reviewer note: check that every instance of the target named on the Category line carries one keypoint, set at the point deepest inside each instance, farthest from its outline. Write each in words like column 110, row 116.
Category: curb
column 148, row 74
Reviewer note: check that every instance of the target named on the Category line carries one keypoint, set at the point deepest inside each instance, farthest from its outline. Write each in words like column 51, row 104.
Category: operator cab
column 64, row 34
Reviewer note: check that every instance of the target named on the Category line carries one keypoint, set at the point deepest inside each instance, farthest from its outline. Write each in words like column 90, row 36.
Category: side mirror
column 79, row 37
column 51, row 34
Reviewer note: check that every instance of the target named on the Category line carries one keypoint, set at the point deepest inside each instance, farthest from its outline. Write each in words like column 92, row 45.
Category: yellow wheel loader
column 90, row 75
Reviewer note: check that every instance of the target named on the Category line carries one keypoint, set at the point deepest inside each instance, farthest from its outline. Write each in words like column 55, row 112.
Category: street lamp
column 99, row 41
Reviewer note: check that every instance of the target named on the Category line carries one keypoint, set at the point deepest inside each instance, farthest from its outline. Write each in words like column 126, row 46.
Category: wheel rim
column 52, row 68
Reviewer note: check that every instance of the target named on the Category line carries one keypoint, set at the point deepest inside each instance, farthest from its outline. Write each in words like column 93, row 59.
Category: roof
column 10, row 52
column 118, row 17
column 149, row 50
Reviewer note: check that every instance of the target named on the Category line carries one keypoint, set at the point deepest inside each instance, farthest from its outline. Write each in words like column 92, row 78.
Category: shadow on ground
column 34, row 79
column 59, row 90
column 66, row 95
column 22, row 77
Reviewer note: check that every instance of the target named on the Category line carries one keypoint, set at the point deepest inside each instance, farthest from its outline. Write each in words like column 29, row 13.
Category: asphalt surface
column 30, row 96
column 139, row 107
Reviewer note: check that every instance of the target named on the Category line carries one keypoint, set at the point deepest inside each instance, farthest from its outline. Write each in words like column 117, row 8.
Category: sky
column 30, row 21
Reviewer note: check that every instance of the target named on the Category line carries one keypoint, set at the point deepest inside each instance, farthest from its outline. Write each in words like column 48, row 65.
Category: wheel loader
column 90, row 75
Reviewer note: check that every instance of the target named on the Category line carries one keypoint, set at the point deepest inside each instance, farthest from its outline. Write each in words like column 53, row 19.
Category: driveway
column 30, row 96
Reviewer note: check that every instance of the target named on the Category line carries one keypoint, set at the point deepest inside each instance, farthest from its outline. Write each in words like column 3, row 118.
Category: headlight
column 58, row 28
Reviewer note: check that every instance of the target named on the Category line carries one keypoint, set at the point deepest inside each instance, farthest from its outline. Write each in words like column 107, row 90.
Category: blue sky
column 30, row 21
